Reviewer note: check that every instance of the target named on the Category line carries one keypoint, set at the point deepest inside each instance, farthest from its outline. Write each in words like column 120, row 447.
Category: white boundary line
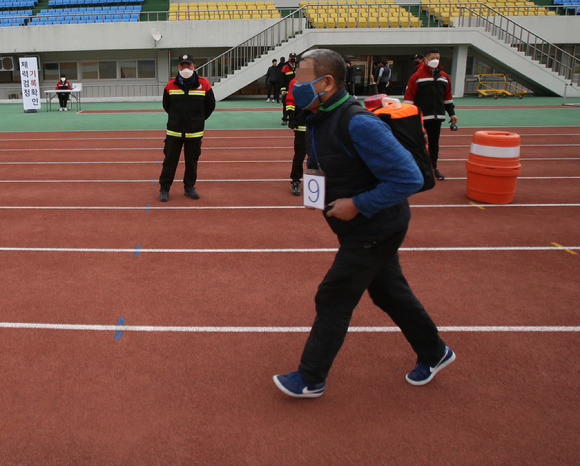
column 265, row 207
column 236, row 148
column 232, row 329
column 157, row 162
column 142, row 250
column 160, row 148
column 254, row 180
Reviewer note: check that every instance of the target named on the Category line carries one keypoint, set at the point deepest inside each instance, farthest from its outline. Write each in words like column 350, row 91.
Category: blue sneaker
column 293, row 385
column 422, row 374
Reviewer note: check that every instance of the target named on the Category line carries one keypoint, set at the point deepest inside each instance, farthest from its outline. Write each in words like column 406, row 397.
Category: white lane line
column 254, row 180
column 150, row 162
column 141, row 181
column 263, row 207
column 157, row 162
column 121, row 149
column 521, row 145
column 280, row 329
column 142, row 250
column 159, row 138
column 236, row 148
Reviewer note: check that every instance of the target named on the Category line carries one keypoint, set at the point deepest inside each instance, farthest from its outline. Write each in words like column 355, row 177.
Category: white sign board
column 30, row 84
column 314, row 189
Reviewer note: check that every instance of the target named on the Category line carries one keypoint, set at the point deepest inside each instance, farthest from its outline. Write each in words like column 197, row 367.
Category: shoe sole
column 427, row 380
column 295, row 395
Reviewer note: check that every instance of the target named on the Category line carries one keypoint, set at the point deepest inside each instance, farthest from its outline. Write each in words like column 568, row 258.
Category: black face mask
column 293, row 60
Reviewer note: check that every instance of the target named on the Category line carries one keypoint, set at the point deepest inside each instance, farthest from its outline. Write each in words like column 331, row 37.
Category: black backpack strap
column 344, row 123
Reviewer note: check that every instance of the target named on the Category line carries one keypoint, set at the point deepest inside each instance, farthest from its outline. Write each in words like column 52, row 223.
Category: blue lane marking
column 137, row 253
column 153, row 180
column 147, row 207
column 119, row 333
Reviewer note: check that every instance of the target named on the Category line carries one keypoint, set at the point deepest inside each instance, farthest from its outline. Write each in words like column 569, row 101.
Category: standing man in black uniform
column 288, row 73
column 189, row 101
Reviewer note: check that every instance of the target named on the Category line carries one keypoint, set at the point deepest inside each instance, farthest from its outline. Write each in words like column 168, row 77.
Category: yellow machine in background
column 497, row 85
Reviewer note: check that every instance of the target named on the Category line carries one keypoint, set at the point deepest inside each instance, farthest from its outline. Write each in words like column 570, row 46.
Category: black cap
column 292, row 55
column 185, row 58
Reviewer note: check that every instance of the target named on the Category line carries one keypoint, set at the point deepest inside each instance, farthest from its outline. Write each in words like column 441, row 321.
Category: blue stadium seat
column 134, row 17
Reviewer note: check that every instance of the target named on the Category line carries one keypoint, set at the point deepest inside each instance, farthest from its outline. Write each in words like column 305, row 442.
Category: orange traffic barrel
column 493, row 167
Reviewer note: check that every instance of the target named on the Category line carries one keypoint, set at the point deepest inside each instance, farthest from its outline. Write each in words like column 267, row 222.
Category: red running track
column 84, row 241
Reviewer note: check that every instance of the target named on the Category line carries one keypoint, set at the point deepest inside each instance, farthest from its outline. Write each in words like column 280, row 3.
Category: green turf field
column 497, row 113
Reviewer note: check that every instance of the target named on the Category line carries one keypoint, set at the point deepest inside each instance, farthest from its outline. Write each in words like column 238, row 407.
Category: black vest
column 347, row 175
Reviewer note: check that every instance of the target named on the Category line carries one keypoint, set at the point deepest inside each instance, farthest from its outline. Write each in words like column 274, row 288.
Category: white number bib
column 314, row 189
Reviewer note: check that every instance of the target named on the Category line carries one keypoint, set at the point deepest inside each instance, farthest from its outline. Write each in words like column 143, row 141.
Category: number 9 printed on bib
column 314, row 189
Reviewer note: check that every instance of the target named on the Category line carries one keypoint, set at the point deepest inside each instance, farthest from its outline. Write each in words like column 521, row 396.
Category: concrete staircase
column 527, row 71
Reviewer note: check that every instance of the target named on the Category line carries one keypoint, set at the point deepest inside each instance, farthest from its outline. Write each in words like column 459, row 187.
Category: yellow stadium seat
column 173, row 7
column 172, row 16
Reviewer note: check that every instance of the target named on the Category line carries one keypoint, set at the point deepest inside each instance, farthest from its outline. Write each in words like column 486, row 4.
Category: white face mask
column 186, row 73
column 433, row 63
column 62, row 79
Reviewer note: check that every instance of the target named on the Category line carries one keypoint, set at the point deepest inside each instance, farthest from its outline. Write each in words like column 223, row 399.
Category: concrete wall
column 208, row 39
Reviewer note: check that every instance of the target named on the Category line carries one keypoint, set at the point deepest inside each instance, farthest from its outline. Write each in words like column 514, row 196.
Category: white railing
column 256, row 46
column 510, row 32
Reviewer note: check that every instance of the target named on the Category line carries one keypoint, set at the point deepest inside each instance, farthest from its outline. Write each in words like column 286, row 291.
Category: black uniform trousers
column 433, row 130
column 172, row 152
column 274, row 88
column 62, row 99
column 297, row 171
column 356, row 268
column 284, row 111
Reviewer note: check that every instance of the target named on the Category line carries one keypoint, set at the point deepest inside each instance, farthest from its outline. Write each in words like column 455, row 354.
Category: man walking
column 366, row 196
column 429, row 89
column 189, row 101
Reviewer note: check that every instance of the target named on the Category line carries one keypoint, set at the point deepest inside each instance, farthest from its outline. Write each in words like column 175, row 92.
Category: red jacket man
column 429, row 89
column 288, row 73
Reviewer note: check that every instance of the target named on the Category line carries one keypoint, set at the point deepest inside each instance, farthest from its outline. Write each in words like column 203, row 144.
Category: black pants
column 356, row 268
column 274, row 88
column 172, row 151
column 350, row 88
column 284, row 112
column 433, row 129
column 62, row 99
column 299, row 155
